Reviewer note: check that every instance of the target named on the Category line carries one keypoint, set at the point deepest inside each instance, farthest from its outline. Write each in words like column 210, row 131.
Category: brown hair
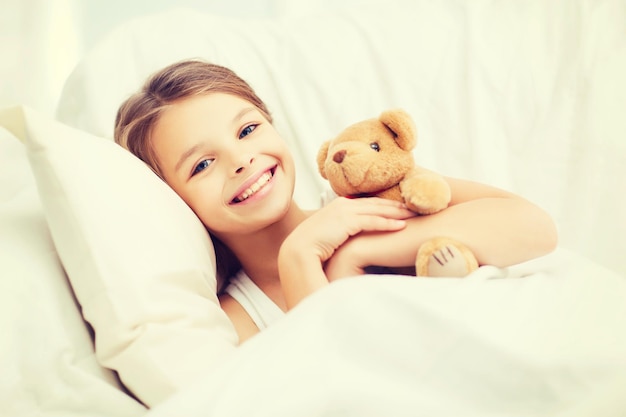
column 138, row 115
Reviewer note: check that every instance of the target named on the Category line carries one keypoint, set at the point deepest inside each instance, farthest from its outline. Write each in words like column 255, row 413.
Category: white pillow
column 140, row 262
column 47, row 358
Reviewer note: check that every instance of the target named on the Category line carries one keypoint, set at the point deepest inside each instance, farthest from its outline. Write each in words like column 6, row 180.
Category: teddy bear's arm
column 424, row 191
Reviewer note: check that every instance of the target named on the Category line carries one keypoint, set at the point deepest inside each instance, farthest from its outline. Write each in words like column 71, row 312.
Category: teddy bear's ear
column 321, row 158
column 401, row 124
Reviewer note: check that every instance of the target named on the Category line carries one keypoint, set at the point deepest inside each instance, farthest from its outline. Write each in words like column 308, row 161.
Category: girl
column 204, row 131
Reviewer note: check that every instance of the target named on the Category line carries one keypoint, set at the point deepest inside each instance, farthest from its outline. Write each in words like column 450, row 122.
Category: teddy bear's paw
column 423, row 206
column 426, row 193
column 444, row 257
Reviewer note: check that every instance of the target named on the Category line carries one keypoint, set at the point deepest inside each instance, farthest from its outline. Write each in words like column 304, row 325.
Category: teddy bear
column 374, row 157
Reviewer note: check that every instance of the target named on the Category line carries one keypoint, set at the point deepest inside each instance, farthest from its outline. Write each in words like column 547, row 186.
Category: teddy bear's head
column 369, row 156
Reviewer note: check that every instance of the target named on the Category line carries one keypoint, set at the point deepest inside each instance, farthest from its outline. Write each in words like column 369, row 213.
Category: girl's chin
column 251, row 218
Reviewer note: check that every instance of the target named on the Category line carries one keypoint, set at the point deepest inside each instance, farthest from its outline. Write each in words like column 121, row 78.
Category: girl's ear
column 321, row 158
column 401, row 125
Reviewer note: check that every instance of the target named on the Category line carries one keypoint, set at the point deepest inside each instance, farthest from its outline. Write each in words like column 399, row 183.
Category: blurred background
column 42, row 40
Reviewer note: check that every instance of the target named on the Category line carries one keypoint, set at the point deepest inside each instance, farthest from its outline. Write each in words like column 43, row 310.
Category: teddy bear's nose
column 338, row 156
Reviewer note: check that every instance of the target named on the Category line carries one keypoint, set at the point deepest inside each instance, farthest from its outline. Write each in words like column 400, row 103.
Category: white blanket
column 546, row 338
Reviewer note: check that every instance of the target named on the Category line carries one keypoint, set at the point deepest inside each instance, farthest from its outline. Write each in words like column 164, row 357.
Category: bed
column 108, row 280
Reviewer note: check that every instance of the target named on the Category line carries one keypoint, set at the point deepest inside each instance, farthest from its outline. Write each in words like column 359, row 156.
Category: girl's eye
column 204, row 164
column 247, row 130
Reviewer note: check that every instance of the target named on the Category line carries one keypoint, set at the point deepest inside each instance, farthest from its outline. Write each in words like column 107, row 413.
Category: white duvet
column 546, row 338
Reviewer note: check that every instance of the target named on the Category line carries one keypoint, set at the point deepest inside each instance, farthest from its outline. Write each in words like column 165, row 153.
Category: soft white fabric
column 261, row 309
column 546, row 338
column 48, row 364
column 140, row 262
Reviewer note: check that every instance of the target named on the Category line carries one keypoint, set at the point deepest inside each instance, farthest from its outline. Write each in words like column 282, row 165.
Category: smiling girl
column 204, row 131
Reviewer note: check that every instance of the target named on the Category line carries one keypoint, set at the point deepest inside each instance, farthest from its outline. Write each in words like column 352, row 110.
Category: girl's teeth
column 260, row 183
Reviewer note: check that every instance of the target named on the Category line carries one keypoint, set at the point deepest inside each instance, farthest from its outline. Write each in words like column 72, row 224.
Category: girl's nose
column 244, row 164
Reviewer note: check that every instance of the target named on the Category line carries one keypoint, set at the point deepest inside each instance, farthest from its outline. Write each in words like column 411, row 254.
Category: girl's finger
column 369, row 223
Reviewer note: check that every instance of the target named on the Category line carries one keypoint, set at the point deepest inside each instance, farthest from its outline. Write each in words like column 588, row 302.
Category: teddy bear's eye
column 375, row 146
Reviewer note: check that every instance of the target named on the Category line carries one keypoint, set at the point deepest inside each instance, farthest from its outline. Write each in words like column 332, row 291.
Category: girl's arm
column 313, row 242
column 501, row 229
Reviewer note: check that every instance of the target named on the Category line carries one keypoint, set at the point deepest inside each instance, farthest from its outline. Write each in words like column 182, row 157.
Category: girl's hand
column 381, row 249
column 327, row 229
column 346, row 261
column 314, row 241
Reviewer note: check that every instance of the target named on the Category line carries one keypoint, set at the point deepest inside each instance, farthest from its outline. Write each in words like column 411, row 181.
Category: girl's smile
column 257, row 186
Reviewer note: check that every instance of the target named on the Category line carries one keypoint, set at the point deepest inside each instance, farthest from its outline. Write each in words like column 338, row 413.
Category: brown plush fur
column 374, row 157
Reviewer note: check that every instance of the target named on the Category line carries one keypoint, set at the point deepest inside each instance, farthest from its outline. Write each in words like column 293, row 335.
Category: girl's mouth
column 255, row 187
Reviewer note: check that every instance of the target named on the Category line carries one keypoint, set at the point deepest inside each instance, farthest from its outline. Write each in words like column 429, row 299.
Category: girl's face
column 226, row 161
